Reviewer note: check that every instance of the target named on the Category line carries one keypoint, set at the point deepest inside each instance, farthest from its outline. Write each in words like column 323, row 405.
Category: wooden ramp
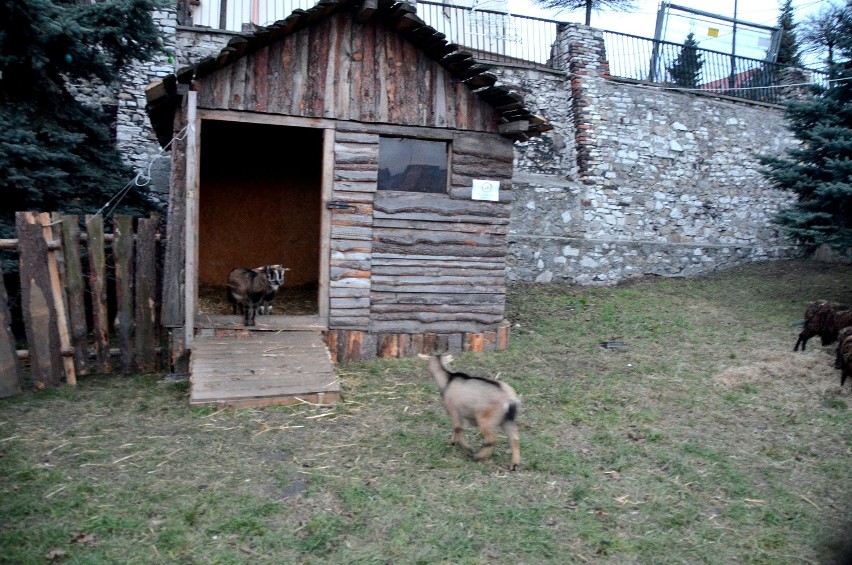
column 262, row 369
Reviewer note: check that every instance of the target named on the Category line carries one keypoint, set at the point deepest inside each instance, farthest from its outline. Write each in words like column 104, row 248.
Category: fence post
column 10, row 368
column 146, row 335
column 75, row 291
column 97, row 287
column 38, row 305
column 56, row 271
column 122, row 251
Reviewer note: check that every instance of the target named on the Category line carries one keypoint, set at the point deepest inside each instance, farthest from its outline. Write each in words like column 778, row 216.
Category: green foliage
column 57, row 154
column 686, row 69
column 819, row 169
column 788, row 50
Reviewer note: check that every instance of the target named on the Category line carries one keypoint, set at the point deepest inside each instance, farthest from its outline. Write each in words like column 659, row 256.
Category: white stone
column 544, row 277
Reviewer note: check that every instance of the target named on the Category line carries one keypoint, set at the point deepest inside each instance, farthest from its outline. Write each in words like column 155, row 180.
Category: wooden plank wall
column 343, row 69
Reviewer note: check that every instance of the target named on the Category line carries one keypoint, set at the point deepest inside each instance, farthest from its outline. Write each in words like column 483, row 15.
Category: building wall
column 633, row 179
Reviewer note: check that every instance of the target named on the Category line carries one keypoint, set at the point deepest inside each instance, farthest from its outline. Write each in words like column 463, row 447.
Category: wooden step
column 262, row 368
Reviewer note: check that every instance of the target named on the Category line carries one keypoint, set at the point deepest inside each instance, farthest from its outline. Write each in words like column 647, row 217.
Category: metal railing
column 493, row 36
column 237, row 15
column 505, row 38
column 693, row 68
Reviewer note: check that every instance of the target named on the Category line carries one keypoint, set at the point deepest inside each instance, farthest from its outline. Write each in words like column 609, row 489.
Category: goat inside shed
column 259, row 203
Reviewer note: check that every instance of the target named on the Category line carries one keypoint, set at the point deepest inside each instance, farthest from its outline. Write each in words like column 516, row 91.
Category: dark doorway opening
column 259, row 204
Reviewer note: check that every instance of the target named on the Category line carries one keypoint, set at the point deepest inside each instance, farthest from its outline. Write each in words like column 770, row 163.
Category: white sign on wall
column 485, row 190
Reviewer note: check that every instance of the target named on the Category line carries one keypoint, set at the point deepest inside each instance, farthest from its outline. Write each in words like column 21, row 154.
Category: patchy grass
column 705, row 439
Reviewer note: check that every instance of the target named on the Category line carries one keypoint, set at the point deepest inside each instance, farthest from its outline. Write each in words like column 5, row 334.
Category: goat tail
column 510, row 427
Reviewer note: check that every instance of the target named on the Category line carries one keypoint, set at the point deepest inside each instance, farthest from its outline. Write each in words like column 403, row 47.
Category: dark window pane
column 413, row 165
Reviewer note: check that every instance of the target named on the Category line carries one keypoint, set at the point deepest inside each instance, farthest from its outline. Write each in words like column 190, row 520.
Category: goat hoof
column 513, row 467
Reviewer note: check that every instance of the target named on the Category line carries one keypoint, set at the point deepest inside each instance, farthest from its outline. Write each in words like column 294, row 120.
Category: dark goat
column 246, row 289
column 477, row 400
column 275, row 276
column 824, row 319
column 844, row 353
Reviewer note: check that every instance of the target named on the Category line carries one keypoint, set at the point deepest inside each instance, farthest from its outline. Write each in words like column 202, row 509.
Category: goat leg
column 511, row 429
column 458, row 432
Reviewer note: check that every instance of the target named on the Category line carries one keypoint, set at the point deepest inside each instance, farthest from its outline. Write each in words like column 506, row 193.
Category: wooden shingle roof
column 516, row 121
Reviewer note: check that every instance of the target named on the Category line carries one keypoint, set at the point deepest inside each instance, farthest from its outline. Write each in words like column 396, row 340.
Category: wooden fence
column 69, row 276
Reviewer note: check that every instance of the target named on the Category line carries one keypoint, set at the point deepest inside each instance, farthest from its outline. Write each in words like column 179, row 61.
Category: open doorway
column 259, row 204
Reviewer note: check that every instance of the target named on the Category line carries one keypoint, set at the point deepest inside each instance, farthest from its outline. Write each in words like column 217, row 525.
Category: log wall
column 407, row 265
column 342, row 69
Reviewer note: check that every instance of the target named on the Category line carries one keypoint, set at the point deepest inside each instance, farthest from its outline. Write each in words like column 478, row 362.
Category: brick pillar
column 579, row 50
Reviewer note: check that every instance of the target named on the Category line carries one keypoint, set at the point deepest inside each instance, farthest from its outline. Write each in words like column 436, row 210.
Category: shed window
column 412, row 165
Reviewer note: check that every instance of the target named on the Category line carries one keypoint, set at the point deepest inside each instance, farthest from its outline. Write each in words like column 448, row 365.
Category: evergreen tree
column 820, row 33
column 819, row 169
column 57, row 154
column 686, row 68
column 587, row 5
column 788, row 50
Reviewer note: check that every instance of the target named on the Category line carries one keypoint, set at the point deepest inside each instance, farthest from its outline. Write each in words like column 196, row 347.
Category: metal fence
column 506, row 38
column 493, row 36
column 689, row 67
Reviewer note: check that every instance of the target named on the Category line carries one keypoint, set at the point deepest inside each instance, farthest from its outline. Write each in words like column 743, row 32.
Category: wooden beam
column 366, row 10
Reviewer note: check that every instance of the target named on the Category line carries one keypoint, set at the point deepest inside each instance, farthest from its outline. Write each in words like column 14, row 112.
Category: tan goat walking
column 477, row 400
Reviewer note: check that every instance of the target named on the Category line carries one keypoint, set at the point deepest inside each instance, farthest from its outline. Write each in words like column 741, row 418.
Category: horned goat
column 824, row 319
column 275, row 280
column 246, row 289
column 844, row 353
column 477, row 400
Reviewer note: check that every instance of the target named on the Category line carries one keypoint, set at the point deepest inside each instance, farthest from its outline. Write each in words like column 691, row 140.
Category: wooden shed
column 354, row 144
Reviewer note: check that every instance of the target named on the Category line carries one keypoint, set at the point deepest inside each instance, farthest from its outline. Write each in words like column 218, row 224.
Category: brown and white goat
column 477, row 400
column 844, row 353
column 824, row 319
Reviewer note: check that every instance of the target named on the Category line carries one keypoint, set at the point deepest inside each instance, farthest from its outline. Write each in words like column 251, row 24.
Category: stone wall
column 633, row 179
column 665, row 182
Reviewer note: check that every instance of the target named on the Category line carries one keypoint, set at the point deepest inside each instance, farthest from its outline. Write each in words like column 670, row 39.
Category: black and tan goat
column 477, row 400
column 844, row 354
column 275, row 280
column 824, row 319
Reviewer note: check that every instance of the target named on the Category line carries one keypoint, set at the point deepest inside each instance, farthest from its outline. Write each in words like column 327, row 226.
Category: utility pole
column 732, row 78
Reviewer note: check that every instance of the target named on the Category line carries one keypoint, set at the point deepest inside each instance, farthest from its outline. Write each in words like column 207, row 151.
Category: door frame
column 196, row 116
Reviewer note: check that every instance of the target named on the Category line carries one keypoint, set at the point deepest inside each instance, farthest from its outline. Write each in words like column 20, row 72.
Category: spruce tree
column 56, row 153
column 819, row 170
column 686, row 68
column 789, row 49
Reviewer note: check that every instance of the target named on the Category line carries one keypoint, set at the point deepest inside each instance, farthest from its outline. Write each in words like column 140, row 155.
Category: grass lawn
column 703, row 439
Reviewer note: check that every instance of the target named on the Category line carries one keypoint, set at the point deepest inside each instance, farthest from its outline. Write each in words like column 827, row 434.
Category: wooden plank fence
column 57, row 284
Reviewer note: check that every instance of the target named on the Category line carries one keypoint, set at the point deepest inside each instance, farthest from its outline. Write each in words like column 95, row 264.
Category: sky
column 642, row 20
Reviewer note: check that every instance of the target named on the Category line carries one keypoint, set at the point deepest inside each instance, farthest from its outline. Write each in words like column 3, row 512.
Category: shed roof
column 516, row 121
